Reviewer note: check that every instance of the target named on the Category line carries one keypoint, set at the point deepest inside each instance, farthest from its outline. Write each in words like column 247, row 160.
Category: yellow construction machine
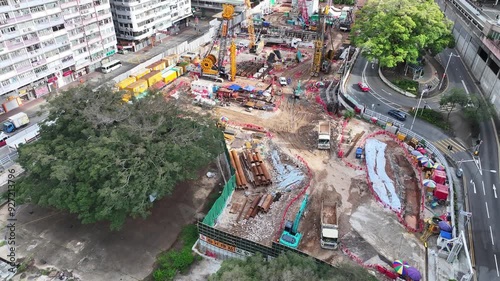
column 213, row 67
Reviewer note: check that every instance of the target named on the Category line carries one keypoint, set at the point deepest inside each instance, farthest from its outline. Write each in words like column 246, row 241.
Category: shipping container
column 141, row 74
column 159, row 65
column 138, row 86
column 169, row 76
column 178, row 70
column 125, row 82
column 170, row 60
column 153, row 77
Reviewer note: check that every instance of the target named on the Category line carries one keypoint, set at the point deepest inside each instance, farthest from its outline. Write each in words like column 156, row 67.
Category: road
column 481, row 182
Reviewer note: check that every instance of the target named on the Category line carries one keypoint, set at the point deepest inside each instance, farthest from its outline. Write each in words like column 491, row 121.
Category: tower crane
column 212, row 67
column 250, row 27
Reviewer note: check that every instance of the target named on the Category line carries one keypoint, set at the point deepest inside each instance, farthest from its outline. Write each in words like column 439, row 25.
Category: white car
column 282, row 81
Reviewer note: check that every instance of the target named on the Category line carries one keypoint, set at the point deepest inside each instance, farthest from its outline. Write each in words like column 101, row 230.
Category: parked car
column 399, row 115
column 282, row 81
column 363, row 87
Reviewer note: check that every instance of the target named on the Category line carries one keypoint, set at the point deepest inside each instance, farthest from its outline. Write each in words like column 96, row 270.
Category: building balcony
column 76, row 35
column 24, row 18
column 31, row 41
column 44, row 73
column 65, row 53
column 71, row 15
column 78, row 46
column 14, row 46
column 56, row 21
column 39, row 63
column 67, row 63
column 69, row 4
column 94, row 40
column 11, row 35
column 83, row 2
column 23, row 68
column 8, row 75
column 53, row 11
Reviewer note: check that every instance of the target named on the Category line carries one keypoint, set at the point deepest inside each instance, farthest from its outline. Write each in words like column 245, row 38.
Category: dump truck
column 324, row 135
column 329, row 225
column 15, row 122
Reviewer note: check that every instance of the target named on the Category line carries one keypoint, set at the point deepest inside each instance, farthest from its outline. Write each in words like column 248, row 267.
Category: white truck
column 15, row 122
column 324, row 135
column 329, row 225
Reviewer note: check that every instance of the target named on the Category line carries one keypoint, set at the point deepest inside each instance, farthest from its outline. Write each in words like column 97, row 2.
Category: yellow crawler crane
column 250, row 28
column 212, row 66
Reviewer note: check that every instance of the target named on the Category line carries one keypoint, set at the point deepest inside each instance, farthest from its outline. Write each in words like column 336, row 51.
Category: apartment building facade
column 140, row 23
column 46, row 44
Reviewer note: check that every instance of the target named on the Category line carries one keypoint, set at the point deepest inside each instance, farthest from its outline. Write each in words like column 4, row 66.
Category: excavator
column 290, row 236
column 212, row 67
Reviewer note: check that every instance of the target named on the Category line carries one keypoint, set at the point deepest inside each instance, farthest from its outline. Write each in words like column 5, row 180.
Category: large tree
column 106, row 160
column 289, row 267
column 455, row 97
column 396, row 31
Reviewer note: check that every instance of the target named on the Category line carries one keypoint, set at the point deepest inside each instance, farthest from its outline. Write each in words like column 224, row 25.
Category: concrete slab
column 381, row 229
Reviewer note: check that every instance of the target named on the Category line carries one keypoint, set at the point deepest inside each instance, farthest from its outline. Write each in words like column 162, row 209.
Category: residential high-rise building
column 45, row 44
column 140, row 23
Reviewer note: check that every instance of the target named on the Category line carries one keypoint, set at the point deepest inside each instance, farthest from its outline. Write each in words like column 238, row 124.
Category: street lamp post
column 418, row 106
column 446, row 68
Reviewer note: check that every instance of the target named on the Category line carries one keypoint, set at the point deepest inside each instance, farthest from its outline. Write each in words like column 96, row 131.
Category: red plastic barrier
column 383, row 270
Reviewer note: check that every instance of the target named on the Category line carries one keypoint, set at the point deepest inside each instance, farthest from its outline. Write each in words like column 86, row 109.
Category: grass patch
column 406, row 85
column 174, row 261
column 436, row 118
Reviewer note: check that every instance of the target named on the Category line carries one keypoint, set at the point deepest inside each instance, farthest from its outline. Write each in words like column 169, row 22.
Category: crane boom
column 250, row 27
column 296, row 222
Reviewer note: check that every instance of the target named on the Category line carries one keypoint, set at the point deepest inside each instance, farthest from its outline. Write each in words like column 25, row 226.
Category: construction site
column 335, row 188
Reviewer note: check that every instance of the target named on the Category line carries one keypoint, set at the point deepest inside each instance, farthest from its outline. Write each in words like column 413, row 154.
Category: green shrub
column 436, row 118
column 407, row 85
column 173, row 261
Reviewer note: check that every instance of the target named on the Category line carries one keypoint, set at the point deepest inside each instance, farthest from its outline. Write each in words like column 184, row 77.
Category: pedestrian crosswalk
column 444, row 145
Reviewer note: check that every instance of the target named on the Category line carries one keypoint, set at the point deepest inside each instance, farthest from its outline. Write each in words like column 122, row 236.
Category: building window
column 51, row 5
column 8, row 30
column 41, row 69
column 6, row 82
column 23, row 64
column 39, row 8
column 6, row 69
column 4, row 57
column 58, row 27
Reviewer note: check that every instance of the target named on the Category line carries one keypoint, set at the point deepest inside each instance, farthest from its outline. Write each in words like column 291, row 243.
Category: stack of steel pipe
column 241, row 180
column 265, row 202
column 260, row 173
column 253, row 210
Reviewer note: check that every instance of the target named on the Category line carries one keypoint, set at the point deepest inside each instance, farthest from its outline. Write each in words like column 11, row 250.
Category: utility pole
column 418, row 105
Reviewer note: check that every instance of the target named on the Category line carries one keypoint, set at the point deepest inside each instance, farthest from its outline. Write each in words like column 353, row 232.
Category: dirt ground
column 93, row 252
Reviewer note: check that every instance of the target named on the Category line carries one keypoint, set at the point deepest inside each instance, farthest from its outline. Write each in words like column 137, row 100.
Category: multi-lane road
column 480, row 173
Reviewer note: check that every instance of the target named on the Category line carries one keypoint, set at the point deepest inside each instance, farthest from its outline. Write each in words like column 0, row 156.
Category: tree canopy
column 289, row 267
column 105, row 160
column 455, row 97
column 396, row 31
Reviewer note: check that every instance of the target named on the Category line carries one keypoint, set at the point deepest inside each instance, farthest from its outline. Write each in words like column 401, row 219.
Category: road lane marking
column 484, row 191
column 465, row 87
column 487, row 211
column 496, row 264
column 495, row 191
column 386, row 92
column 474, row 185
column 491, row 233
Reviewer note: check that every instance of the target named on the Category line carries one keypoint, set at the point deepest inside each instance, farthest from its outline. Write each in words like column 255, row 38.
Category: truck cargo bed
column 329, row 215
